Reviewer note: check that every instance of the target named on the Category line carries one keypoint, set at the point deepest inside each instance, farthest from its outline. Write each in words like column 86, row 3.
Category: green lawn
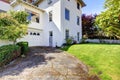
column 102, row 59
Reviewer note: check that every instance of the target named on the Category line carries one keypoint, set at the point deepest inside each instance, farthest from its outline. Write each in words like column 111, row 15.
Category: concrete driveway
column 45, row 64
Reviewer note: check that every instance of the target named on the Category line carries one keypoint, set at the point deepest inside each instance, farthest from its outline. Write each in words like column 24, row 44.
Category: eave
column 82, row 3
column 16, row 2
column 37, row 2
column 6, row 1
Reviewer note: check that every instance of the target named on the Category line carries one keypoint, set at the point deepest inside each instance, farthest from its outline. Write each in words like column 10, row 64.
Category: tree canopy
column 88, row 28
column 109, row 20
column 13, row 25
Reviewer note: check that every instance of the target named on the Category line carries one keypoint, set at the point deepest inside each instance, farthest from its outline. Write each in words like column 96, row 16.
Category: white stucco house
column 52, row 21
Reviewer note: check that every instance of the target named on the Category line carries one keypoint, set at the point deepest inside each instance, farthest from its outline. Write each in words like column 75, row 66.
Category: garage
column 33, row 37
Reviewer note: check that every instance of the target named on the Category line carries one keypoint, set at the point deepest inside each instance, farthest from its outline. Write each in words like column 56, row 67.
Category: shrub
column 84, row 38
column 74, row 42
column 69, row 41
column 8, row 53
column 24, row 47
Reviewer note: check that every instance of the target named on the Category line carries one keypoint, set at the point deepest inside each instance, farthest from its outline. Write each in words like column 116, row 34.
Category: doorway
column 51, row 39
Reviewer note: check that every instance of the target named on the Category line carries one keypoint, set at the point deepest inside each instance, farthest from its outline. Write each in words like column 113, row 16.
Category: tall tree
column 13, row 25
column 109, row 20
column 88, row 27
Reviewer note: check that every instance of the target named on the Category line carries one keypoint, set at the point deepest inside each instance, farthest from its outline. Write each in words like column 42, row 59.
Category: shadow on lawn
column 102, row 43
column 35, row 57
column 66, row 47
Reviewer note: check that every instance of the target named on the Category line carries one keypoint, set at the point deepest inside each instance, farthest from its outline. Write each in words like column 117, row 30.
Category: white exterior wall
column 33, row 27
column 55, row 25
column 71, row 25
column 32, row 24
column 33, row 40
column 59, row 24
column 5, row 42
column 5, row 6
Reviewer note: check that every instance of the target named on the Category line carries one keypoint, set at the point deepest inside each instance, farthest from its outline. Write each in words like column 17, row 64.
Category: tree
column 109, row 20
column 88, row 27
column 13, row 25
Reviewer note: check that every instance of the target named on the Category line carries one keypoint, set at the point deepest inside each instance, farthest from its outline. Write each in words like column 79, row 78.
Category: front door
column 50, row 38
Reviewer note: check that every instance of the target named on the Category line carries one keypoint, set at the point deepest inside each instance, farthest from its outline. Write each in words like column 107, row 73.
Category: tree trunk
column 14, row 42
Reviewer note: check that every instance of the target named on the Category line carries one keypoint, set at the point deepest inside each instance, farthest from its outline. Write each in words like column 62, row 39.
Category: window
column 29, row 16
column 34, row 33
column 78, row 6
column 34, row 17
column 30, row 33
column 37, row 19
column 38, row 34
column 67, row 14
column 51, row 33
column 49, row 1
column 26, row 33
column 78, row 36
column 78, row 20
column 50, row 16
column 66, row 34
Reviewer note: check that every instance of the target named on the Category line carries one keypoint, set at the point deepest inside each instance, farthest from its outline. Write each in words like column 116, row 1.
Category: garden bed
column 9, row 53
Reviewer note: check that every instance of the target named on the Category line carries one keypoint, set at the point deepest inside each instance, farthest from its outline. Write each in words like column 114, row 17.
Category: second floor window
column 33, row 17
column 50, row 16
column 78, row 20
column 29, row 16
column 78, row 6
column 67, row 14
column 37, row 19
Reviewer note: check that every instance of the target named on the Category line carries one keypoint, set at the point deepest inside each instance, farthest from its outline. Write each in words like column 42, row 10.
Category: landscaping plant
column 109, row 20
column 8, row 53
column 24, row 47
column 13, row 25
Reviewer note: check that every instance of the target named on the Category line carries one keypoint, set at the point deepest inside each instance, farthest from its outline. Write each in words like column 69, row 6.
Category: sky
column 93, row 6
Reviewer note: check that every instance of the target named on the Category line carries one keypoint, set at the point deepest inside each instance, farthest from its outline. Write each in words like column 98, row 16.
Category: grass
column 102, row 59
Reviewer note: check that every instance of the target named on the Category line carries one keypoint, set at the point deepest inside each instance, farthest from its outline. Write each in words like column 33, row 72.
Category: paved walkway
column 45, row 64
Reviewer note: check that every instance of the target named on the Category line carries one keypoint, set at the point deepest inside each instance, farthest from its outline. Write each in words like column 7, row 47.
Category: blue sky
column 93, row 6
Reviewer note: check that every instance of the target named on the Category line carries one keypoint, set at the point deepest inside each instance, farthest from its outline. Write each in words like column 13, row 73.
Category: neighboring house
column 52, row 21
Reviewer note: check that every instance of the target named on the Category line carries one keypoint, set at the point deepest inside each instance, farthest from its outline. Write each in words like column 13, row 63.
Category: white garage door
column 33, row 37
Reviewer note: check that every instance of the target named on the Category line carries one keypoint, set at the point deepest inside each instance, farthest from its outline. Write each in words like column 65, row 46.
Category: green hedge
column 24, row 47
column 8, row 53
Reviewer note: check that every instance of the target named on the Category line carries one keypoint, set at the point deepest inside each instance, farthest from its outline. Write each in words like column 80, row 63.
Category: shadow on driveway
column 45, row 64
